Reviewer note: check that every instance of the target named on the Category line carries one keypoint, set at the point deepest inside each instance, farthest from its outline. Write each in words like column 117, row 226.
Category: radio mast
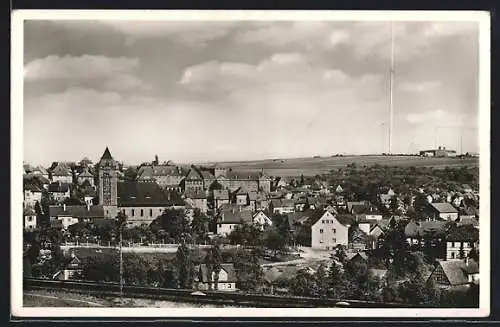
column 391, row 85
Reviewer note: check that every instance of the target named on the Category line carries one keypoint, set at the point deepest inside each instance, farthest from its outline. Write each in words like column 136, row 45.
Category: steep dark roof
column 444, row 207
column 456, row 270
column 193, row 174
column 228, row 268
column 58, row 187
column 151, row 171
column 106, row 155
column 242, row 175
column 425, row 228
column 61, row 170
column 235, row 216
column 146, row 194
column 463, row 233
column 77, row 211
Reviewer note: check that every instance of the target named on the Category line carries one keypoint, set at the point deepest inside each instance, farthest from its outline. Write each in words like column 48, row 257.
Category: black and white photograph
column 239, row 163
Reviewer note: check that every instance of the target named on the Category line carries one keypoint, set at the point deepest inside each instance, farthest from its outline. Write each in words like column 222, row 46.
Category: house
column 444, row 211
column 357, row 257
column 220, row 197
column 73, row 269
column 327, row 231
column 58, row 191
column 62, row 173
column 69, row 215
column 86, row 176
column 456, row 272
column 385, row 198
column 467, row 188
column 167, row 176
column 197, row 199
column 467, row 220
column 358, row 239
column 143, row 202
column 416, row 231
column 30, row 221
column 40, row 171
column 32, row 195
column 360, row 207
column 204, row 279
column 460, row 240
column 439, row 152
column 241, row 197
column 282, row 206
column 229, row 218
column 261, row 219
column 193, row 181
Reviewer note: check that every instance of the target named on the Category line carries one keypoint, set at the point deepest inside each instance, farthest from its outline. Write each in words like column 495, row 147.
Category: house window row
column 327, row 221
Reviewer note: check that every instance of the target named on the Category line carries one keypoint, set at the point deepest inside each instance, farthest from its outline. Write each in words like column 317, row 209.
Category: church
column 142, row 202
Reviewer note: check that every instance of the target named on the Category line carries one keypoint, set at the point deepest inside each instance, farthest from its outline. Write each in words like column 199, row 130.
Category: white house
column 32, row 195
column 29, row 219
column 261, row 219
column 328, row 232
column 444, row 211
column 205, row 280
column 230, row 218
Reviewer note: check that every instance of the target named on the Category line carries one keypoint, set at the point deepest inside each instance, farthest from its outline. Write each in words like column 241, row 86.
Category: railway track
column 185, row 295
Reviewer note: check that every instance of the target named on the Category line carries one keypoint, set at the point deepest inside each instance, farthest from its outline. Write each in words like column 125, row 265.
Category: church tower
column 108, row 181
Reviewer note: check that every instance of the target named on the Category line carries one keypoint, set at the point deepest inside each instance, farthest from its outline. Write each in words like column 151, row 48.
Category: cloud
column 84, row 67
column 124, row 82
column 420, row 87
column 190, row 33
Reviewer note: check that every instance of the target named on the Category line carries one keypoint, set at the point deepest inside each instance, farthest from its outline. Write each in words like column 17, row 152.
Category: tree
column 199, row 226
column 248, row 270
column 474, row 254
column 274, row 241
column 213, row 260
column 185, row 267
column 320, row 286
column 303, row 284
column 335, row 282
column 174, row 222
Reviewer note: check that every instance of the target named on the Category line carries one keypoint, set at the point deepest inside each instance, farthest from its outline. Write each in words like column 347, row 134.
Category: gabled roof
column 425, row 228
column 61, row 170
column 106, row 155
column 193, row 174
column 463, row 233
column 456, row 271
column 206, row 175
column 85, row 173
column 151, row 171
column 227, row 267
column 235, row 216
column 148, row 194
column 96, row 211
column 444, row 207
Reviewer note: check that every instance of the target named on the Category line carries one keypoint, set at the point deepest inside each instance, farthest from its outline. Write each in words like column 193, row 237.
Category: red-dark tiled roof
column 132, row 194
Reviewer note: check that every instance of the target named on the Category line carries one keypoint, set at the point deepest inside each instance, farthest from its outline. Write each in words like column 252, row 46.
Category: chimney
column 88, row 206
column 239, row 208
column 64, row 206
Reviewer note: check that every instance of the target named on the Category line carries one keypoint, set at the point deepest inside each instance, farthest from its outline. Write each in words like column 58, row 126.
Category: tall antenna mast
column 391, row 84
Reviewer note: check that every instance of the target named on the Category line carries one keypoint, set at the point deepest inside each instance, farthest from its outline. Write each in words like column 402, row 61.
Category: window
column 142, row 212
column 453, row 255
column 150, row 212
column 133, row 212
column 321, row 231
column 334, row 231
column 228, row 285
column 334, row 240
column 30, row 219
column 322, row 221
column 220, row 225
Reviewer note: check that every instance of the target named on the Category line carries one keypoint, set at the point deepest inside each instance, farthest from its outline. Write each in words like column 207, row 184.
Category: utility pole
column 121, row 262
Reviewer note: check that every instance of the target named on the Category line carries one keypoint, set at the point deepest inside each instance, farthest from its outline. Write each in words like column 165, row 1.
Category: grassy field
column 320, row 165
column 63, row 299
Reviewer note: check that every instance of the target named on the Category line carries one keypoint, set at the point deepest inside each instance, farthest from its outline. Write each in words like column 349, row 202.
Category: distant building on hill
column 439, row 152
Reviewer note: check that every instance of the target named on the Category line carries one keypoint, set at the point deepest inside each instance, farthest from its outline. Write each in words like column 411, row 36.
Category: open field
column 64, row 299
column 320, row 165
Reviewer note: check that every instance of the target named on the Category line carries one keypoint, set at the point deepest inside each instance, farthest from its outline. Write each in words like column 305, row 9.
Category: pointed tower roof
column 106, row 154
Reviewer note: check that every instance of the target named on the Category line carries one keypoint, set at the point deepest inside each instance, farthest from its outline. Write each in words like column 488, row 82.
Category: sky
column 245, row 90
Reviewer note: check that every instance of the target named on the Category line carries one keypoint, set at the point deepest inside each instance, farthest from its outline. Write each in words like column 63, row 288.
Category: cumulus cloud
column 190, row 33
column 124, row 82
column 84, row 67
